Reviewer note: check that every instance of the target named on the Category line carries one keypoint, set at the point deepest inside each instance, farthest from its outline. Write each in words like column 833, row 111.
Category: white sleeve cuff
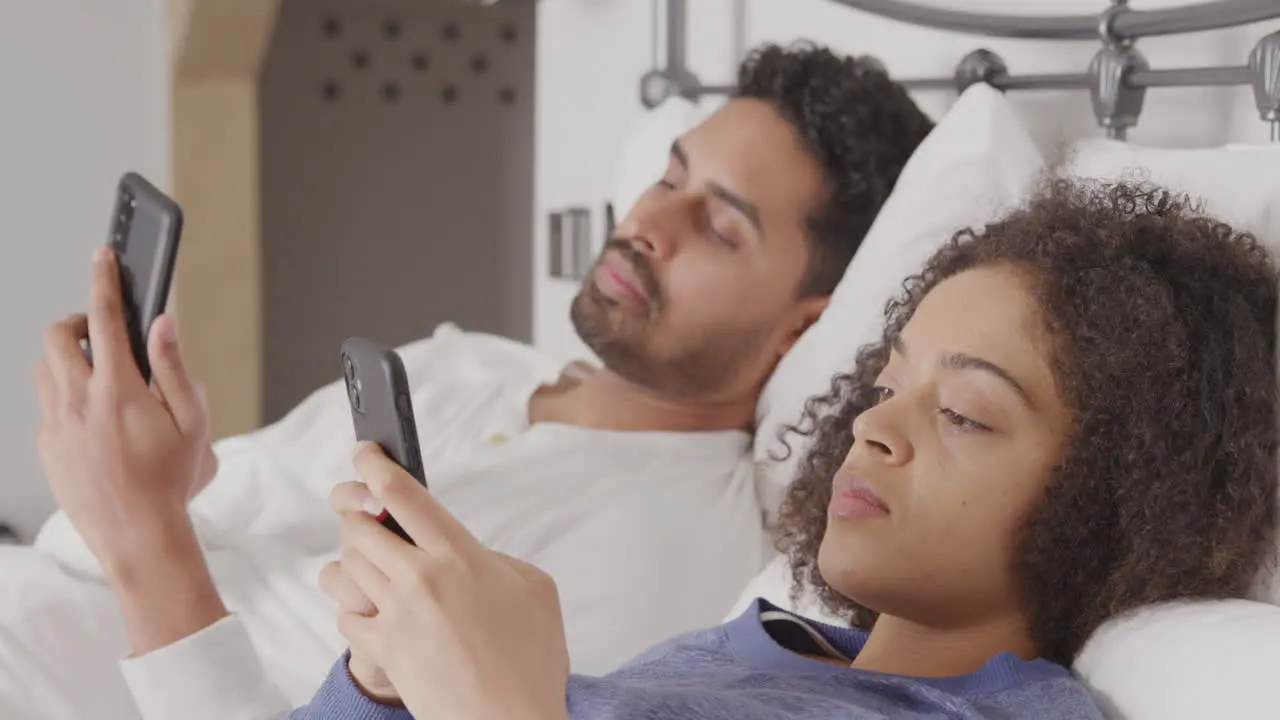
column 214, row 674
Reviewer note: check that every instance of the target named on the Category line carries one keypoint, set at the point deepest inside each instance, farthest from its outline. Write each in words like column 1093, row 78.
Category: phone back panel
column 381, row 407
column 145, row 230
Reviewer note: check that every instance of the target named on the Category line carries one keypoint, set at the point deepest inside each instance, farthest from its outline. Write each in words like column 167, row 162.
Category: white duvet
column 620, row 519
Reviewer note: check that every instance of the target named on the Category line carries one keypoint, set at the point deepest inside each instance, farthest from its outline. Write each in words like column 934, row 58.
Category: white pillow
column 774, row 584
column 1187, row 661
column 1240, row 184
column 978, row 161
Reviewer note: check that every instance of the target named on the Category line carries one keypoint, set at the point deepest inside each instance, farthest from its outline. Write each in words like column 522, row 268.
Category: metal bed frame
column 1117, row 78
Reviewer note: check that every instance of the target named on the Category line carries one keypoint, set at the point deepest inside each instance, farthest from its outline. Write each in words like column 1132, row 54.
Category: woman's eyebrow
column 961, row 361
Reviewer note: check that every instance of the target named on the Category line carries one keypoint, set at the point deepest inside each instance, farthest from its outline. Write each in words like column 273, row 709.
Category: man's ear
column 806, row 313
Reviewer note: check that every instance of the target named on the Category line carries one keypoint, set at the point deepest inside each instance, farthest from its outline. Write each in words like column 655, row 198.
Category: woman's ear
column 806, row 313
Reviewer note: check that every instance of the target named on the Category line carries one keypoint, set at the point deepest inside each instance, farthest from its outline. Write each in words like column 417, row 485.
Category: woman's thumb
column 169, row 373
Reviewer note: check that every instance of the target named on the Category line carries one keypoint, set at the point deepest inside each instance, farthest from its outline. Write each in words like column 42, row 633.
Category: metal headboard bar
column 1185, row 77
column 1126, row 24
column 1117, row 78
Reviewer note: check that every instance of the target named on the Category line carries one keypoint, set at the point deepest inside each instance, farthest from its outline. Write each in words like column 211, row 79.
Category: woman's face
column 926, row 507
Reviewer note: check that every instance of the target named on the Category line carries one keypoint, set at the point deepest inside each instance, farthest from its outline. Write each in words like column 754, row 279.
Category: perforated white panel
column 397, row 178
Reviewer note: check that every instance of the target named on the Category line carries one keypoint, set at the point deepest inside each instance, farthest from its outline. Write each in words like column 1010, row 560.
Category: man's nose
column 659, row 228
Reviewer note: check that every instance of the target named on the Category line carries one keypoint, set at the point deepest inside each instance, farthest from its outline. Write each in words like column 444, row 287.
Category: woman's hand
column 460, row 630
column 349, row 498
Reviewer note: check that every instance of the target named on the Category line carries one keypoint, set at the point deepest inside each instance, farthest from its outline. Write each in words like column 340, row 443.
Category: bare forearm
column 163, row 585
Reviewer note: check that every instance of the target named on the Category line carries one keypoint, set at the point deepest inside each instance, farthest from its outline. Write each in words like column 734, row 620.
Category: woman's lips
column 851, row 498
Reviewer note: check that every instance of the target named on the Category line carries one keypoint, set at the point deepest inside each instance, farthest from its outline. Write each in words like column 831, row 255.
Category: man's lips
column 616, row 282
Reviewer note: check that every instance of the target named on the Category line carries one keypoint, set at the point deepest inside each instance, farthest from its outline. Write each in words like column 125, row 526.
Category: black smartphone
column 146, row 225
column 381, row 409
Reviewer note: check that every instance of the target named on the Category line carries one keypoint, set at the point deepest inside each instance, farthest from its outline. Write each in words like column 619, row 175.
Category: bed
column 1189, row 660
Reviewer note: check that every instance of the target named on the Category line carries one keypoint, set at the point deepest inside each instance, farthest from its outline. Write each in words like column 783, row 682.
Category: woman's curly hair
column 858, row 124
column 1164, row 326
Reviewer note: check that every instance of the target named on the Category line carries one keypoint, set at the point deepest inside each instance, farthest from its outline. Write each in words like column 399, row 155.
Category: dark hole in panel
column 331, row 90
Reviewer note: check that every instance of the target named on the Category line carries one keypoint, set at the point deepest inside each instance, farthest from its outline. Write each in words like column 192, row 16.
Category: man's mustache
column 640, row 265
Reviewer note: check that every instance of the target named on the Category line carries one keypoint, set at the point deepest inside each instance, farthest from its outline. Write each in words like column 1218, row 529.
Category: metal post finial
column 1116, row 104
column 1264, row 65
column 658, row 85
column 979, row 66
column 675, row 78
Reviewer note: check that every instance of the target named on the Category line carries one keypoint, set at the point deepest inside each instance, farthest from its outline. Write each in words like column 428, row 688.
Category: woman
column 1071, row 414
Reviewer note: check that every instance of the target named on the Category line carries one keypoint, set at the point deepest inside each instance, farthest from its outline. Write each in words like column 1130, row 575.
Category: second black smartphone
column 381, row 409
column 146, row 226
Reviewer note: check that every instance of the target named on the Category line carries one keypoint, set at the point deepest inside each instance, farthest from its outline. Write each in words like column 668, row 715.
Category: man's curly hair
column 1164, row 328
column 859, row 125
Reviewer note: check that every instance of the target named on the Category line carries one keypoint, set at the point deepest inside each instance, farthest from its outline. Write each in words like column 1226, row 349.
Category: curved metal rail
column 1117, row 78
column 1125, row 23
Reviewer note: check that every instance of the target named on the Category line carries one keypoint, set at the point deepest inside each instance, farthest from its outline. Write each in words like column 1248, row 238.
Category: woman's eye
column 960, row 421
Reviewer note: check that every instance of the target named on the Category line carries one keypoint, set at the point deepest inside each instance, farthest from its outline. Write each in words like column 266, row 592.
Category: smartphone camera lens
column 353, row 383
column 124, row 217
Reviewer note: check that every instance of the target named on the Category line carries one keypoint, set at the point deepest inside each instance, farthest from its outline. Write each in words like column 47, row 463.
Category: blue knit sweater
column 754, row 668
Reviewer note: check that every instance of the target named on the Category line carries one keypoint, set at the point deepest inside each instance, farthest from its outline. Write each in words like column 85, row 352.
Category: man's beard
column 620, row 338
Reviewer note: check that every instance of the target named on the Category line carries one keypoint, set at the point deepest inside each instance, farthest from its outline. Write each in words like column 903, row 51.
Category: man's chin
column 591, row 319
column 593, row 312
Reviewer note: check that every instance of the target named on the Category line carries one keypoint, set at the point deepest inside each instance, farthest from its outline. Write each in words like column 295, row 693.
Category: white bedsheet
column 61, row 637
column 620, row 519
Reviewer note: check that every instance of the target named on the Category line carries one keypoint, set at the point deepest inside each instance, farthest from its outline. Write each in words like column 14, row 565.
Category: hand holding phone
column 381, row 408
column 146, row 226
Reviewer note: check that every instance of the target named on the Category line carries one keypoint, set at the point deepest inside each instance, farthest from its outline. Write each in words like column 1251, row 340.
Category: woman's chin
column 847, row 566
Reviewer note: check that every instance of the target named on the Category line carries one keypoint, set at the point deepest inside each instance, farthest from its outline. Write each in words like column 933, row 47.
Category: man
column 622, row 484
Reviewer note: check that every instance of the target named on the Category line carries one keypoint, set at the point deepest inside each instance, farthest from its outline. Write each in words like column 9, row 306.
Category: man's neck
column 606, row 401
column 901, row 647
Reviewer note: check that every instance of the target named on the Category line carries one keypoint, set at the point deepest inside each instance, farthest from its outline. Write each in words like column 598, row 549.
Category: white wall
column 84, row 96
column 591, row 54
